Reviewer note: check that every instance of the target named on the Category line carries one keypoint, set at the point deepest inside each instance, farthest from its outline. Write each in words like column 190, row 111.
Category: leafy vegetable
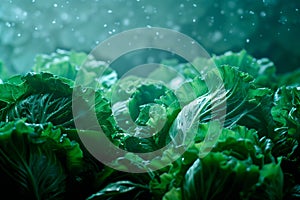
column 232, row 130
column 40, row 98
column 76, row 65
column 263, row 70
column 29, row 169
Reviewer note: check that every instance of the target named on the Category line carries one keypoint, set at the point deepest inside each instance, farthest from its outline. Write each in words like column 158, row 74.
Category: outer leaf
column 121, row 190
column 290, row 78
column 29, row 170
column 61, row 63
column 219, row 177
column 286, row 111
column 11, row 92
column 173, row 194
column 263, row 70
column 40, row 98
column 240, row 102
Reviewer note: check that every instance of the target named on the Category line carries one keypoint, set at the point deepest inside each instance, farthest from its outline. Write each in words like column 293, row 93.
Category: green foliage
column 238, row 124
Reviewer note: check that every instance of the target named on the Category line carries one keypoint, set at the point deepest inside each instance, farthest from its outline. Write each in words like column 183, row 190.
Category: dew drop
column 263, row 14
column 8, row 24
column 126, row 22
column 247, row 40
column 283, row 20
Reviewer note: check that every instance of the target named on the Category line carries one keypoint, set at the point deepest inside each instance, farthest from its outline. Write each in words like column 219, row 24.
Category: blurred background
column 265, row 28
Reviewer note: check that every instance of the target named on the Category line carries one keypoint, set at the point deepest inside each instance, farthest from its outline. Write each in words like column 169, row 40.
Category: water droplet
column 247, row 40
column 263, row 14
column 194, row 5
column 53, row 22
column 105, row 25
column 157, row 33
column 126, row 22
column 33, row 1
column 217, row 35
column 297, row 9
column 251, row 12
column 55, row 5
column 194, row 20
column 35, row 28
column 148, row 26
column 109, row 11
column 181, row 5
column 19, row 35
column 283, row 20
column 8, row 24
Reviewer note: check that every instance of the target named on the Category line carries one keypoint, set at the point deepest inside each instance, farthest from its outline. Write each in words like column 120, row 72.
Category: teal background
column 265, row 28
